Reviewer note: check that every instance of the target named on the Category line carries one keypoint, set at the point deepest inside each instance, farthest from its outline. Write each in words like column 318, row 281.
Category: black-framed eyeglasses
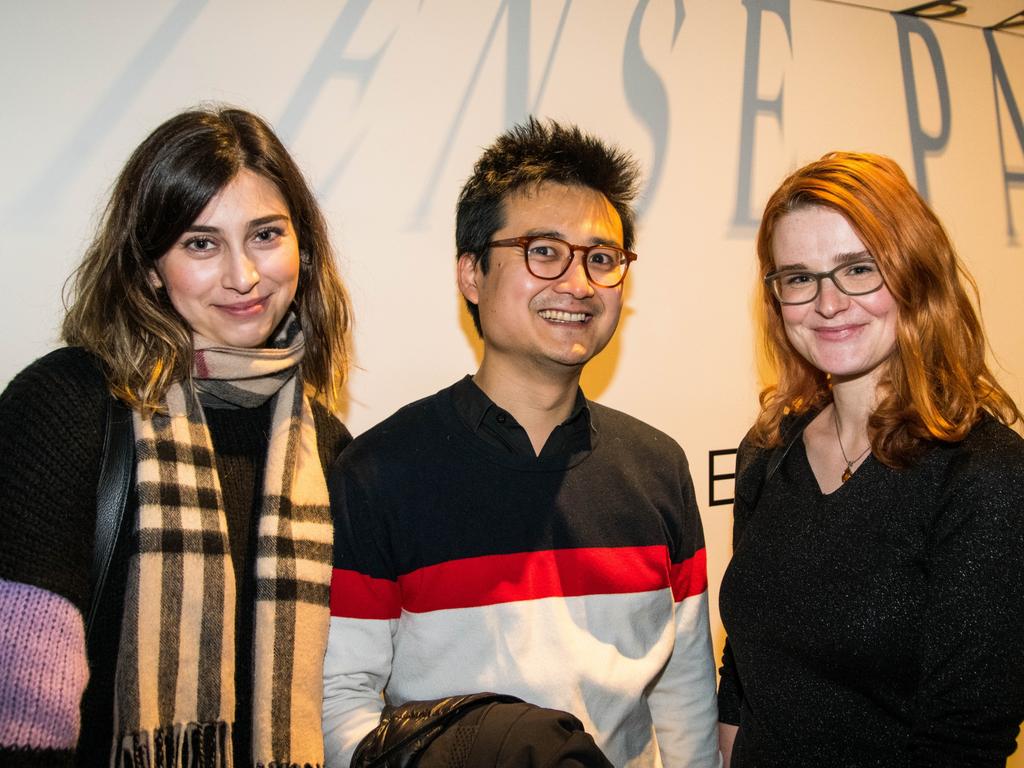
column 549, row 258
column 797, row 286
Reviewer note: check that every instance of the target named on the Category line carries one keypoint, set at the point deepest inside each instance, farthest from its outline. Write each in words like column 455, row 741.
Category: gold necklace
column 848, row 472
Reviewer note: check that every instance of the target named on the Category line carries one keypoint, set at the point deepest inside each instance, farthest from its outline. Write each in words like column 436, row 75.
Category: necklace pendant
column 847, row 474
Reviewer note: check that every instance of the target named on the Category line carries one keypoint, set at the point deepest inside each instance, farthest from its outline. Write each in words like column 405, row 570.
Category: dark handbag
column 116, row 468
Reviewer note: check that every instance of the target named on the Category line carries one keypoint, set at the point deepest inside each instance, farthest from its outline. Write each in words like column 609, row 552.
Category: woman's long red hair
column 936, row 383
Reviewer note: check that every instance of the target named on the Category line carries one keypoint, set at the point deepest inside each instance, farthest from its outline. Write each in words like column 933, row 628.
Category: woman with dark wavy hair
column 208, row 304
column 875, row 599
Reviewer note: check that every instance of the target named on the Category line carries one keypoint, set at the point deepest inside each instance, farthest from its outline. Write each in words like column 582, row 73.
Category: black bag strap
column 111, row 497
column 747, row 458
column 793, row 431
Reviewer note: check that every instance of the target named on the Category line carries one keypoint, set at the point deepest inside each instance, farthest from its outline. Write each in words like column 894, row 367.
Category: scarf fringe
column 189, row 745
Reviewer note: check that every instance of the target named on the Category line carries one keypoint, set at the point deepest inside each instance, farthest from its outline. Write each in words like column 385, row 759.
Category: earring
column 305, row 258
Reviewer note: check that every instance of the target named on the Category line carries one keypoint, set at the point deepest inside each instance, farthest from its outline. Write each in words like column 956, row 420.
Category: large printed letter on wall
column 923, row 143
column 646, row 93
column 517, row 80
column 1001, row 84
column 753, row 104
column 331, row 61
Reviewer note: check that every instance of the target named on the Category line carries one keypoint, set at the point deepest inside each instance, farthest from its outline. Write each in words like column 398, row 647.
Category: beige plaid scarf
column 175, row 698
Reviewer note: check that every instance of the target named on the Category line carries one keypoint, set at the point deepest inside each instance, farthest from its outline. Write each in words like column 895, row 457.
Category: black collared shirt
column 499, row 428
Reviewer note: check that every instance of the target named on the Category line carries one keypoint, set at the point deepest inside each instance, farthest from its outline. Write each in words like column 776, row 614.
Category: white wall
column 386, row 104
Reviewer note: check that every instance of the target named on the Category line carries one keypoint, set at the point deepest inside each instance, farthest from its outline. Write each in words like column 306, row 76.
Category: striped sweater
column 575, row 581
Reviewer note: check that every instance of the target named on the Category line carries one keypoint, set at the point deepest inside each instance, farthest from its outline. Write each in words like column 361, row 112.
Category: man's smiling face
column 532, row 322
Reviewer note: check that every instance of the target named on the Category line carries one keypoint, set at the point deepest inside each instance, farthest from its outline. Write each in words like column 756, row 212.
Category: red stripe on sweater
column 493, row 579
column 355, row 596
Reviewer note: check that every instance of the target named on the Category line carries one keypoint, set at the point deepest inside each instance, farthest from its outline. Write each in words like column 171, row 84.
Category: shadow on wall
column 598, row 374
column 468, row 329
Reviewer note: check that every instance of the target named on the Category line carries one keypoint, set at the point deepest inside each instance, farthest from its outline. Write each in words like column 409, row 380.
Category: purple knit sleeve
column 43, row 668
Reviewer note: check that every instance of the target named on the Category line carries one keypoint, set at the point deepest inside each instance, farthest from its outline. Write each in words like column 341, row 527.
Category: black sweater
column 882, row 624
column 51, row 437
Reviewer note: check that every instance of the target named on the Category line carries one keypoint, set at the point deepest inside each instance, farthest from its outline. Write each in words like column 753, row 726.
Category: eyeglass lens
column 548, row 258
column 793, row 287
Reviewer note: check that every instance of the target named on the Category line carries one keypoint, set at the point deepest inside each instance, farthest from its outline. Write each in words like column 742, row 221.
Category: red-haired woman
column 875, row 599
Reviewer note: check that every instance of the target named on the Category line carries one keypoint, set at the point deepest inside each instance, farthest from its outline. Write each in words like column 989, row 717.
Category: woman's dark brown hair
column 115, row 312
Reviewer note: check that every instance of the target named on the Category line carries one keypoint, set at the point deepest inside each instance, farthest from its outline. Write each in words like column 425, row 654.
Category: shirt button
column 501, row 418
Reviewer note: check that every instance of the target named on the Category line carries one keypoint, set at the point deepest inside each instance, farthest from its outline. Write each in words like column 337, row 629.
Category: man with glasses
column 508, row 535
